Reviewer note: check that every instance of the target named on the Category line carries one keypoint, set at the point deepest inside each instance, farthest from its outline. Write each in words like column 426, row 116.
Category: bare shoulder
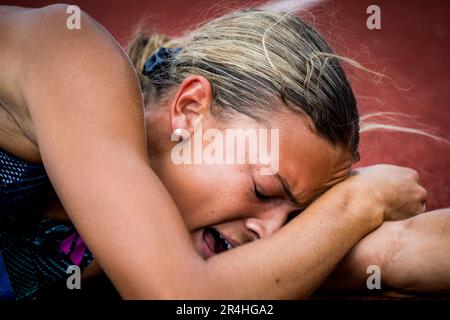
column 57, row 17
column 62, row 58
column 56, row 32
column 34, row 34
column 74, row 80
column 50, row 50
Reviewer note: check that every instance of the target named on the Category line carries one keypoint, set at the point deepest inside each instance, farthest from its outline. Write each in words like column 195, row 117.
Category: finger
column 421, row 207
column 421, row 198
column 415, row 175
column 423, row 194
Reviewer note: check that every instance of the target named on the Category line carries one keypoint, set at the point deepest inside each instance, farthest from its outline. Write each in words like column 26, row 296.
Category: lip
column 207, row 249
column 207, row 244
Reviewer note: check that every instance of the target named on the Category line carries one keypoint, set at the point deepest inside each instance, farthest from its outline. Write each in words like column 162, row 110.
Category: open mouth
column 215, row 241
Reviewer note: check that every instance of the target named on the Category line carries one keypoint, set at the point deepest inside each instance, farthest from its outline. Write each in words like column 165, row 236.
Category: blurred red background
column 412, row 48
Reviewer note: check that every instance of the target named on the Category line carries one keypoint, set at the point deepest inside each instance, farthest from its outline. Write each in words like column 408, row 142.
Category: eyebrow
column 288, row 190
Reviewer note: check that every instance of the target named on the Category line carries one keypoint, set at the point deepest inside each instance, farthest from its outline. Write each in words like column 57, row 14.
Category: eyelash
column 261, row 197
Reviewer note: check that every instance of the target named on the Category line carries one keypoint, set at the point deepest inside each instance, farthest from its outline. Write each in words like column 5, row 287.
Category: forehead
column 309, row 163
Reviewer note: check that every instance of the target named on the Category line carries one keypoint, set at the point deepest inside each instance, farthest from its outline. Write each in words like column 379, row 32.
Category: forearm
column 268, row 279
column 296, row 260
column 412, row 255
column 351, row 273
column 420, row 259
column 290, row 264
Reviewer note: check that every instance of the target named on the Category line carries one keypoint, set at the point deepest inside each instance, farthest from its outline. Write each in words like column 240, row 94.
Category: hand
column 396, row 189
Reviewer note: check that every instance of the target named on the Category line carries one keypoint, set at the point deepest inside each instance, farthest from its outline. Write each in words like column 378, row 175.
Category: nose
column 267, row 223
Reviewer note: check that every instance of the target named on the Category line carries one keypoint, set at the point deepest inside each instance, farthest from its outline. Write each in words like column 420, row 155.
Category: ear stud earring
column 179, row 134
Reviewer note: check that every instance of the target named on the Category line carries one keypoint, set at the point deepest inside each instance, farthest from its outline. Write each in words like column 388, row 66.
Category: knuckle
column 414, row 174
column 423, row 193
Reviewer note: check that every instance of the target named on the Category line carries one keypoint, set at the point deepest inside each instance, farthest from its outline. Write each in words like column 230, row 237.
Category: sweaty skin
column 73, row 99
column 412, row 255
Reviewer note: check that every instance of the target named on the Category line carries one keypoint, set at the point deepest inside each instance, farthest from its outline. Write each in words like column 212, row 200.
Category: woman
column 71, row 100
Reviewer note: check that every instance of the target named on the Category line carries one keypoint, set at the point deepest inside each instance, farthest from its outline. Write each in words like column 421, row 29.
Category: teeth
column 229, row 245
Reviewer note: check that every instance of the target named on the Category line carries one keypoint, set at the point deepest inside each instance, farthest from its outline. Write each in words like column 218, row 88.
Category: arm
column 420, row 260
column 85, row 102
column 413, row 256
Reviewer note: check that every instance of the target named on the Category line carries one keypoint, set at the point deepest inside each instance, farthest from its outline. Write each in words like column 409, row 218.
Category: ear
column 191, row 103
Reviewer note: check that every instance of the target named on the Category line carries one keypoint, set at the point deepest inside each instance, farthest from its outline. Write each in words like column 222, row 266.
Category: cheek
column 222, row 206
column 206, row 194
column 210, row 195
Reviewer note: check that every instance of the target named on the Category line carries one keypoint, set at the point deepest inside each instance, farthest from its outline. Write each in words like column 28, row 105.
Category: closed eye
column 259, row 195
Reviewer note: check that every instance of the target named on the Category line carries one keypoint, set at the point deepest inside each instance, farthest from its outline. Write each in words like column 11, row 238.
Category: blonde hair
column 256, row 58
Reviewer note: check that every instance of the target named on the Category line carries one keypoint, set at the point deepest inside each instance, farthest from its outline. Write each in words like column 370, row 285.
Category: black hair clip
column 160, row 59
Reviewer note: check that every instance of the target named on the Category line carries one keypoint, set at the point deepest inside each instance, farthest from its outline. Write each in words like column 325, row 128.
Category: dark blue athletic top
column 35, row 251
column 21, row 183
